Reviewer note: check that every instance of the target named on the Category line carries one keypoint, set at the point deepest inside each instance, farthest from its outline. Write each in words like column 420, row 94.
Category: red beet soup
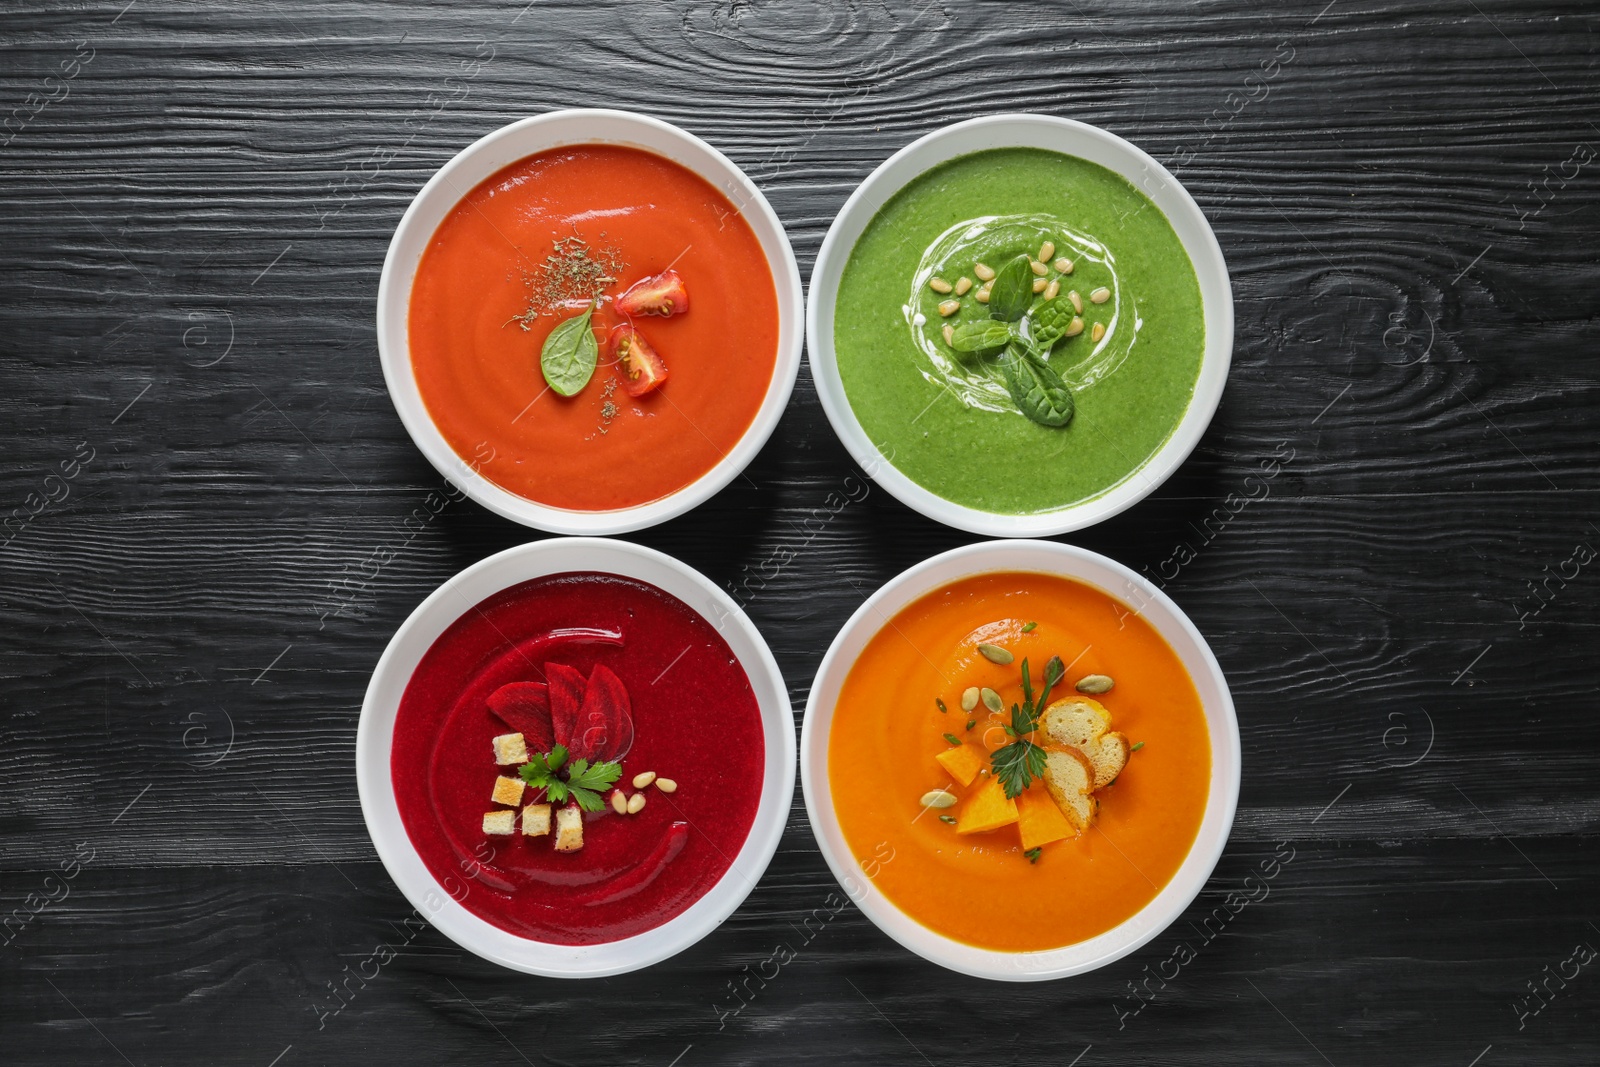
column 615, row 672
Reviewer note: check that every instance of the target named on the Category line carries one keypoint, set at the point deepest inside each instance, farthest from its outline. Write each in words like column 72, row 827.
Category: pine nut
column 1064, row 265
column 1074, row 328
column 642, row 780
column 619, row 803
column 1077, row 301
column 1046, row 250
column 949, row 334
column 982, row 296
column 1039, row 284
column 666, row 785
column 938, row 285
column 962, row 285
column 1097, row 331
column 1052, row 290
column 1037, row 267
column 636, row 804
column 984, row 272
column 949, row 307
column 1100, row 295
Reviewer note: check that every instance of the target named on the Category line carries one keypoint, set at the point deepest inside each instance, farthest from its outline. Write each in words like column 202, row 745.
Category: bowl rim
column 1170, row 901
column 1158, row 185
column 394, row 295
column 435, row 901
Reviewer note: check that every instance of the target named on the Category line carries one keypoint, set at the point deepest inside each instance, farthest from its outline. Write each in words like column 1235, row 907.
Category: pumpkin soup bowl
column 947, row 470
column 454, row 898
column 506, row 391
column 934, row 868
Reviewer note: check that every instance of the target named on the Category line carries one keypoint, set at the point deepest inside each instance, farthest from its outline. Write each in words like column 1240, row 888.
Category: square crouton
column 499, row 823
column 536, row 820
column 569, row 829
column 509, row 790
column 510, row 749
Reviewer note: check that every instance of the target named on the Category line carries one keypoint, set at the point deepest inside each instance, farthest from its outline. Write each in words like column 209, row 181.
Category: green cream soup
column 947, row 418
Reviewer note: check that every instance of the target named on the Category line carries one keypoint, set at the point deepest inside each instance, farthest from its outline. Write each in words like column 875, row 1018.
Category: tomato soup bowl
column 1119, row 584
column 1069, row 138
column 375, row 741
column 507, row 146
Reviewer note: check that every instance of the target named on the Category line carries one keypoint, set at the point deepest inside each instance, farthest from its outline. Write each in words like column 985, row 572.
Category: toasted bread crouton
column 500, row 822
column 1085, row 725
column 535, row 820
column 1069, row 776
column 508, row 790
column 569, row 829
column 510, row 749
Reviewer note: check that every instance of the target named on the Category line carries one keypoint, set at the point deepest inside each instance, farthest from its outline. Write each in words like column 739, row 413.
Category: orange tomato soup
column 980, row 888
column 477, row 365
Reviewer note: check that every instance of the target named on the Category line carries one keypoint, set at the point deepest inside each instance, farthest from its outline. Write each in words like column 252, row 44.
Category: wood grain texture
column 190, row 238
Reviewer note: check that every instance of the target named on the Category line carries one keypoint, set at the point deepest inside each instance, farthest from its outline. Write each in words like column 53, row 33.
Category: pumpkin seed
column 991, row 700
column 951, row 819
column 938, row 798
column 1095, row 683
column 996, row 654
column 969, row 698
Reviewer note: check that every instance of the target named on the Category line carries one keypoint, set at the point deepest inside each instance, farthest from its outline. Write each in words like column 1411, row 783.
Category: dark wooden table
column 199, row 459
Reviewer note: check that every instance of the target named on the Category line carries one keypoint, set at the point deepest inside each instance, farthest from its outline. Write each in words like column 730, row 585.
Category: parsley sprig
column 584, row 781
column 1018, row 763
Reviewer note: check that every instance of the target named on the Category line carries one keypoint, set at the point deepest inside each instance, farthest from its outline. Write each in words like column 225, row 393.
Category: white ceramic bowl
column 449, row 602
column 1113, row 579
column 1074, row 139
column 500, row 149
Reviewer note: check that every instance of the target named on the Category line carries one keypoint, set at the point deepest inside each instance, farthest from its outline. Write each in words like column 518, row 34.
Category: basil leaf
column 980, row 336
column 1049, row 321
column 1036, row 388
column 570, row 354
column 1012, row 290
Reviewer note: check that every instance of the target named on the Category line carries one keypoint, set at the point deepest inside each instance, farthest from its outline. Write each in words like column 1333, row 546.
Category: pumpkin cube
column 961, row 763
column 988, row 808
column 1039, row 821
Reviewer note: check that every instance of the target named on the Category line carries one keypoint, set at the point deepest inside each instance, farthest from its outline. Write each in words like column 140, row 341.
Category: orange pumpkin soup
column 888, row 749
column 527, row 250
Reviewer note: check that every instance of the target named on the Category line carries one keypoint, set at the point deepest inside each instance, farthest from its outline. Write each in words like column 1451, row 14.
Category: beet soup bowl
column 576, row 757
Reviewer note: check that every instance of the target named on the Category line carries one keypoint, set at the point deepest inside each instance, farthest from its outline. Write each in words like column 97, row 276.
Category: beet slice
column 604, row 727
column 525, row 708
column 566, row 697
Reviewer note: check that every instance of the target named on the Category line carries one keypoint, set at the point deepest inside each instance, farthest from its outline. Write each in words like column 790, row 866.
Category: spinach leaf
column 1012, row 290
column 570, row 354
column 1036, row 388
column 1050, row 321
column 980, row 336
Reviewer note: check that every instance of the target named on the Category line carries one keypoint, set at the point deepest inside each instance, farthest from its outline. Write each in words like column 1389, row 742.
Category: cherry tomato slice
column 638, row 365
column 662, row 295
